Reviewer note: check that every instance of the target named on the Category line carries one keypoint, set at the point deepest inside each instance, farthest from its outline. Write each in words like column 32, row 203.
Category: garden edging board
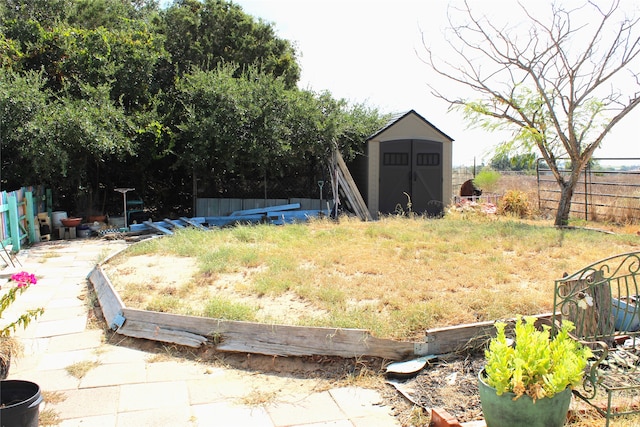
column 273, row 339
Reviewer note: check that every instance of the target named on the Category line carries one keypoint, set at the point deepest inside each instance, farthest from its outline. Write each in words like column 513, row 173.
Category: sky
column 369, row 51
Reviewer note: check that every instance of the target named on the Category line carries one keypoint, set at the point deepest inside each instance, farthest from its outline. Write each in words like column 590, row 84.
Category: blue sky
column 367, row 51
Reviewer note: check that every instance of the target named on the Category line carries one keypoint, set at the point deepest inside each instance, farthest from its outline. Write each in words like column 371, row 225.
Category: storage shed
column 407, row 155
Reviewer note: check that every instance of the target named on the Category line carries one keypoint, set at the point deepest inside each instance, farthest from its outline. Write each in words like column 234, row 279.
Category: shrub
column 515, row 202
column 487, row 180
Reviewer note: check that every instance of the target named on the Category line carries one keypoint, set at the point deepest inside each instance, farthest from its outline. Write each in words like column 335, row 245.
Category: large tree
column 204, row 34
column 560, row 78
column 114, row 93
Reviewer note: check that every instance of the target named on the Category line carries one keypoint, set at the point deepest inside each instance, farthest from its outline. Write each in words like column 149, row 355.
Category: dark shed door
column 414, row 167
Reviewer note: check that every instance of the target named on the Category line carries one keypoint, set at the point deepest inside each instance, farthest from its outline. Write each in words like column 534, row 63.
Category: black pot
column 19, row 403
column 5, row 364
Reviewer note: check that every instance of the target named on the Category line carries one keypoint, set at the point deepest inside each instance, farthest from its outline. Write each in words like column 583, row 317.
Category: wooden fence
column 18, row 211
column 223, row 207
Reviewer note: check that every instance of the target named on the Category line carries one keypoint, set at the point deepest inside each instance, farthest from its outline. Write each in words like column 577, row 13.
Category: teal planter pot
column 503, row 411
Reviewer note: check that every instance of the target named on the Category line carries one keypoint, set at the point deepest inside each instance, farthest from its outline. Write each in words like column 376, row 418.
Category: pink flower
column 24, row 279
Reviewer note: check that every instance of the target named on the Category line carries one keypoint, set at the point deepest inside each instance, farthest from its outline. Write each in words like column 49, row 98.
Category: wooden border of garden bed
column 273, row 339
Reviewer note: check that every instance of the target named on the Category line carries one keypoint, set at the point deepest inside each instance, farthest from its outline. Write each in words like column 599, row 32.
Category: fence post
column 587, row 172
column 49, row 204
column 14, row 227
column 29, row 212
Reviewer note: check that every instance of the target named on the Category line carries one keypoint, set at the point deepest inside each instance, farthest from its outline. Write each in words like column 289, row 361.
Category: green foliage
column 266, row 285
column 164, row 303
column 536, row 365
column 513, row 161
column 205, row 34
column 47, row 12
column 515, row 202
column 487, row 179
column 114, row 92
column 222, row 308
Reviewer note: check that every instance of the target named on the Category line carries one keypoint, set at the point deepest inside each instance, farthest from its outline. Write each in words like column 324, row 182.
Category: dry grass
column 49, row 417
column 80, row 369
column 258, row 398
column 395, row 277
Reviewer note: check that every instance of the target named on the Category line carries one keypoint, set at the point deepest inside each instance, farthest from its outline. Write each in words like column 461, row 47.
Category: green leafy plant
column 487, row 180
column 536, row 364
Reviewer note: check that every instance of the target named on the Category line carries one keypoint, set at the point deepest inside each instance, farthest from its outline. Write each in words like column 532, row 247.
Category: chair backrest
column 600, row 299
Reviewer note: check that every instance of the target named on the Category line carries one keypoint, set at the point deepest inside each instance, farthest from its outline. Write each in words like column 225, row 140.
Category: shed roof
column 399, row 116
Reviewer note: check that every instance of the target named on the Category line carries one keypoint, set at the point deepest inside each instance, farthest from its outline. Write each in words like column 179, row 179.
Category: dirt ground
column 447, row 382
column 165, row 274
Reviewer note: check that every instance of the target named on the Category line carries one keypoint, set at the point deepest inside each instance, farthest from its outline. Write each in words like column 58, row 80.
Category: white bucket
column 56, row 217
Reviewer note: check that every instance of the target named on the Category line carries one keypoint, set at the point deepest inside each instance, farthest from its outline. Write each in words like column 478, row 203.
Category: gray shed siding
column 425, row 141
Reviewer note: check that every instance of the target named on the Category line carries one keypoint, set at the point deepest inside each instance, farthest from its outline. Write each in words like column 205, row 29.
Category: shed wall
column 411, row 126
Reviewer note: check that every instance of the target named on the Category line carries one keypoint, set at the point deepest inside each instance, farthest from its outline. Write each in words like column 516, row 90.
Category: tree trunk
column 564, row 205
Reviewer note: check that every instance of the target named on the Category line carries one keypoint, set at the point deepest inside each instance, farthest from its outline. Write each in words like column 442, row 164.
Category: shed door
column 414, row 167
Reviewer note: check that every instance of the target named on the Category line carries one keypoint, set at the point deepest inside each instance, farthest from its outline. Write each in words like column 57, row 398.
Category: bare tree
column 560, row 85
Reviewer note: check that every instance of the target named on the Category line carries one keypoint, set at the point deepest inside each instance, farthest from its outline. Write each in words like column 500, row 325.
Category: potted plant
column 19, row 400
column 528, row 382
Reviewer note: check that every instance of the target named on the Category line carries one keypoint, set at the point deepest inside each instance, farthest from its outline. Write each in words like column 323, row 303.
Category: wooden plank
column 268, row 209
column 109, row 300
column 173, row 223
column 593, row 320
column 454, row 338
column 349, row 195
column 158, row 227
column 278, row 340
column 282, row 340
column 351, row 189
column 360, row 210
column 135, row 329
column 192, row 223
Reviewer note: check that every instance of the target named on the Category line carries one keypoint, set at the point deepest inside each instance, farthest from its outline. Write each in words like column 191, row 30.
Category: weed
column 80, row 369
column 216, row 261
column 222, row 308
column 49, row 417
column 266, row 285
column 48, row 255
column 164, row 303
column 418, row 417
column 53, row 396
column 258, row 398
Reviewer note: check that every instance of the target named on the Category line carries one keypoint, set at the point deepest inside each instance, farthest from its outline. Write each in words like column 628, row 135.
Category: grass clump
column 223, row 308
column 80, row 369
